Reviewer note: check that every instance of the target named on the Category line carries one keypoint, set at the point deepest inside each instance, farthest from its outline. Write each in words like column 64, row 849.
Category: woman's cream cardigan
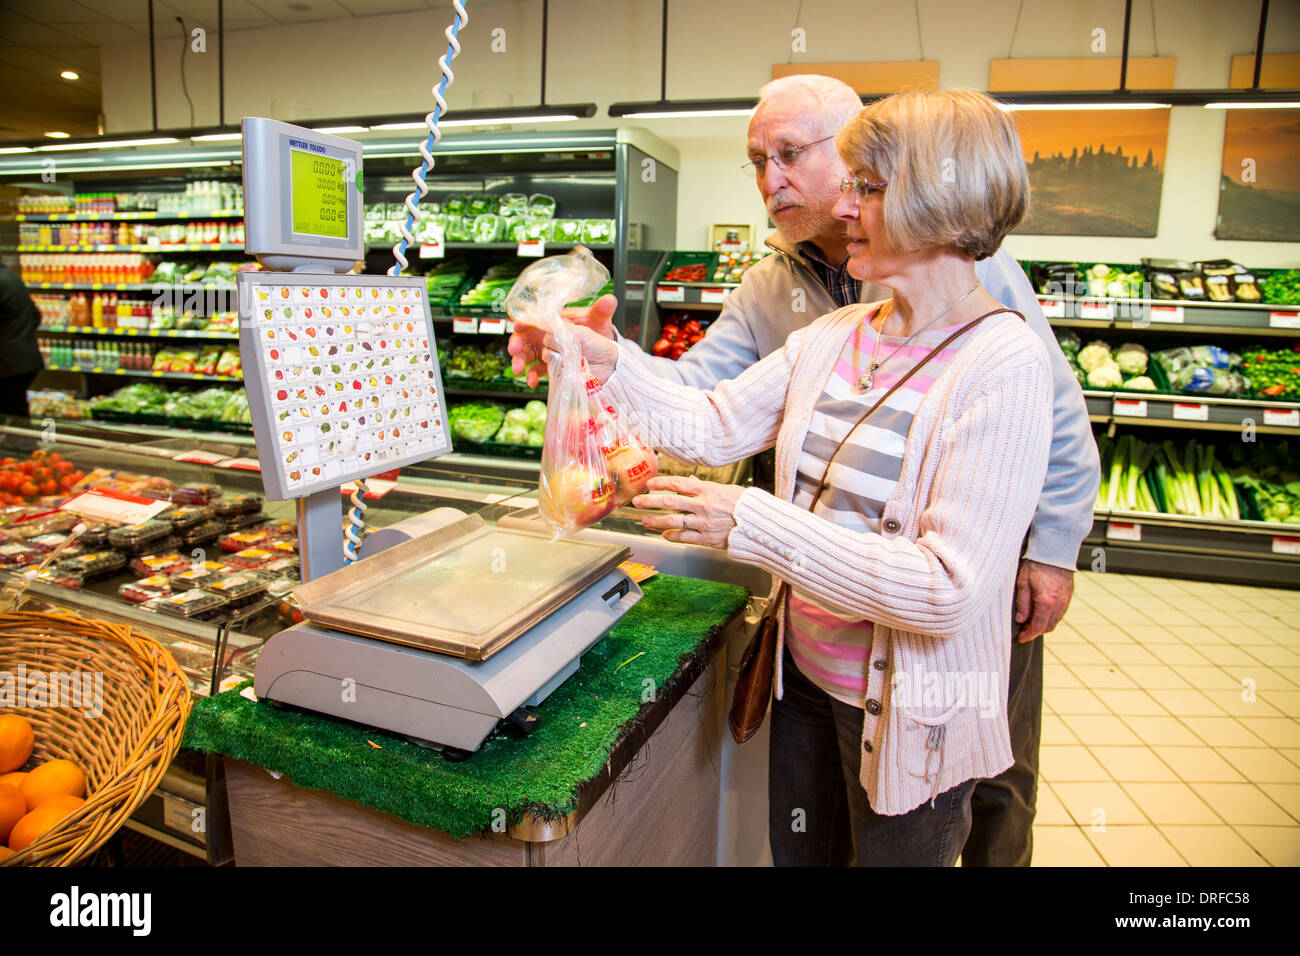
column 938, row 580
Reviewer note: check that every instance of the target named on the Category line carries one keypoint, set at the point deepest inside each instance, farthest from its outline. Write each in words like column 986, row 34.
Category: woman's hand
column 527, row 342
column 702, row 511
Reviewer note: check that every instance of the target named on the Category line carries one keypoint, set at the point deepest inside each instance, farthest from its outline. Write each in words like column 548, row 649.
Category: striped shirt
column 844, row 289
column 831, row 647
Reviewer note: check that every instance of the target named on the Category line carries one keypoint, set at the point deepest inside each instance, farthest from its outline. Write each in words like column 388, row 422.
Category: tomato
column 671, row 331
column 28, row 490
column 65, row 467
column 661, row 347
column 28, row 467
column 677, row 351
column 49, row 487
column 66, row 482
column 691, row 327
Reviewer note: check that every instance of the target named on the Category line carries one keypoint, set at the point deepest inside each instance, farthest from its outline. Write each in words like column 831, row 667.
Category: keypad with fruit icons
column 348, row 368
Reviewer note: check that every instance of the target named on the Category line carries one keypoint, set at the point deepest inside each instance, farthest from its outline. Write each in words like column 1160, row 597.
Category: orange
column 27, row 830
column 14, row 779
column 16, row 742
column 54, row 778
column 12, row 809
column 5, row 853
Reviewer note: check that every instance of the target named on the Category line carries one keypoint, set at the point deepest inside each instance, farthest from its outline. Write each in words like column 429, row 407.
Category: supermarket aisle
column 1154, row 752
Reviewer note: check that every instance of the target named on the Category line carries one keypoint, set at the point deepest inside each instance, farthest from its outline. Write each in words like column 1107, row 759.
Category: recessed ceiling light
column 69, row 75
column 57, row 134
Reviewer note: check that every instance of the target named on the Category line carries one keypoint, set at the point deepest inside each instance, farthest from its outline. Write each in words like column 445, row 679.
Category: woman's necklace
column 865, row 382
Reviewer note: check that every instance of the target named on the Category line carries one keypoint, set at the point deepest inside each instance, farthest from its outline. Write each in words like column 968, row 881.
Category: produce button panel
column 342, row 377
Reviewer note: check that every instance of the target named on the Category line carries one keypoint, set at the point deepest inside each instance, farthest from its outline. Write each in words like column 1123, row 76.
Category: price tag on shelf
column 492, row 326
column 531, row 248
column 97, row 286
column 1169, row 314
column 1284, row 320
column 464, row 324
column 1096, row 310
column 713, row 296
column 1282, row 417
column 433, row 249
column 1053, row 308
column 240, row 464
column 1122, row 531
column 199, row 457
column 115, row 507
column 1189, row 412
column 670, row 293
column 1283, row 545
column 1130, row 408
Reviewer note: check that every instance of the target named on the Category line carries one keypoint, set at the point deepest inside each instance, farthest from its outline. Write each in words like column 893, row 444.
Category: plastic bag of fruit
column 592, row 461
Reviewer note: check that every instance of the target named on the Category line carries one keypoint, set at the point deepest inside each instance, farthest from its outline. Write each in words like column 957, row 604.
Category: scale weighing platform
column 457, row 625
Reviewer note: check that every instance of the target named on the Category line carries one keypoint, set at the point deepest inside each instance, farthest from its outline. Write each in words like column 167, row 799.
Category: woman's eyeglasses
column 861, row 187
column 785, row 158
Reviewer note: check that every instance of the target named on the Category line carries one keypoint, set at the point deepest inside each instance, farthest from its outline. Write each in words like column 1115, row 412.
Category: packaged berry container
column 184, row 517
column 46, row 542
column 284, row 547
column 237, row 504
column 146, row 589
column 203, row 533
column 279, row 587
column 138, row 537
column 281, row 528
column 196, row 493
column 94, row 564
column 191, row 604
column 95, row 536
column 59, row 578
column 251, row 559
column 16, row 555
column 239, row 540
column 238, row 522
column 166, row 563
column 199, row 577
column 239, row 588
column 162, row 546
column 285, row 567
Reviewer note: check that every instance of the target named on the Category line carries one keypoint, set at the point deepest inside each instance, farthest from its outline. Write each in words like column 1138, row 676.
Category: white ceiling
column 41, row 38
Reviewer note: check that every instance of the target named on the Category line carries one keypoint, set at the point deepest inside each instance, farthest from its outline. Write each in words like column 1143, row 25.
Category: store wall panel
column 610, row 52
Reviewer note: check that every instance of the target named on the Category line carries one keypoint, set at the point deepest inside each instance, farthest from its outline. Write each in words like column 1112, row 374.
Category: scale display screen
column 318, row 185
column 342, row 377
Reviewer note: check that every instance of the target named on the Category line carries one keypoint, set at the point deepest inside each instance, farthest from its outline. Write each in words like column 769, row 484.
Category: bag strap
column 821, row 486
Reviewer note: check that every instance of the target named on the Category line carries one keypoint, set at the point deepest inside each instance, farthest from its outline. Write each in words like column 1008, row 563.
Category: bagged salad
column 592, row 462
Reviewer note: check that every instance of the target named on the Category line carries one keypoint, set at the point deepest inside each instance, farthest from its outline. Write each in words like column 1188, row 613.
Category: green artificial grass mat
column 541, row 774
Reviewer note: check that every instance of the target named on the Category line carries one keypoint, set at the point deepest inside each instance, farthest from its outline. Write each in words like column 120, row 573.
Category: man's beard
column 799, row 225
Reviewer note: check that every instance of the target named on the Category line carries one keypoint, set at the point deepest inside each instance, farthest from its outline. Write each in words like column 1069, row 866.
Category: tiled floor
column 1171, row 726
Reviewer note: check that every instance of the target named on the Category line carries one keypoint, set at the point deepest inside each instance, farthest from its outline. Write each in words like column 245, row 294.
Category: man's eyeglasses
column 861, row 187
column 784, row 159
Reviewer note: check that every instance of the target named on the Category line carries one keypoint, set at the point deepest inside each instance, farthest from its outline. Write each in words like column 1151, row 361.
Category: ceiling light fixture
column 69, row 75
column 55, row 134
column 216, row 137
column 341, row 129
column 112, row 144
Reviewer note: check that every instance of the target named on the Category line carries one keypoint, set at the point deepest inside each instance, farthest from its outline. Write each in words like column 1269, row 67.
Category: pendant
column 864, row 383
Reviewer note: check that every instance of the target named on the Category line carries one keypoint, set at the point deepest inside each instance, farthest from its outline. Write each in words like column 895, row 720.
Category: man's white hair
column 834, row 101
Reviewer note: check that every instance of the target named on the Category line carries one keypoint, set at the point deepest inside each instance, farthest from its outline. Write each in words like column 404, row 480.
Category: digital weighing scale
column 447, row 626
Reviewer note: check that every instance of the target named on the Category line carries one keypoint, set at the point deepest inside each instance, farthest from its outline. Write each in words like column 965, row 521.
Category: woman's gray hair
column 833, row 100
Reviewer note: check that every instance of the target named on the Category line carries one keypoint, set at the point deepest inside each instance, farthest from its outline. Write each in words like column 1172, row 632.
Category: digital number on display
column 320, row 195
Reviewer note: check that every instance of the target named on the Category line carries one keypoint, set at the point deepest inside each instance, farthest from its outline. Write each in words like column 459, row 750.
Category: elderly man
column 798, row 173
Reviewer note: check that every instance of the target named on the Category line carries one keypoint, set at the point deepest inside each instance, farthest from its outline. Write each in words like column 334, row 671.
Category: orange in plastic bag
column 592, row 462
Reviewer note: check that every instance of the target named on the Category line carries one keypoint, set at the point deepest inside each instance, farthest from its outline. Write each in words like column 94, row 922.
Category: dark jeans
column 818, row 814
column 1002, row 808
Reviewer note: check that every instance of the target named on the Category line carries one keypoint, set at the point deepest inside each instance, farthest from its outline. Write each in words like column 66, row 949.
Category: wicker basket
column 125, row 750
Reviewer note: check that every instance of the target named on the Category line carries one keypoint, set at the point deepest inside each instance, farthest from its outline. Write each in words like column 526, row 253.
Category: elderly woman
column 917, row 431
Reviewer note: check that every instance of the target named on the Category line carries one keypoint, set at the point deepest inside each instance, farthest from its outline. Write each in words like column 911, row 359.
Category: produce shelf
column 145, row 373
column 1243, row 552
column 463, row 386
column 122, row 216
column 182, row 247
column 183, row 288
column 498, row 246
column 694, row 295
column 1171, row 315
column 227, row 336
column 1269, row 416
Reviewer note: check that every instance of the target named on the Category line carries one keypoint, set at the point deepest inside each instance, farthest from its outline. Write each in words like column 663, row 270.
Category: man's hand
column 1043, row 592
column 526, row 342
